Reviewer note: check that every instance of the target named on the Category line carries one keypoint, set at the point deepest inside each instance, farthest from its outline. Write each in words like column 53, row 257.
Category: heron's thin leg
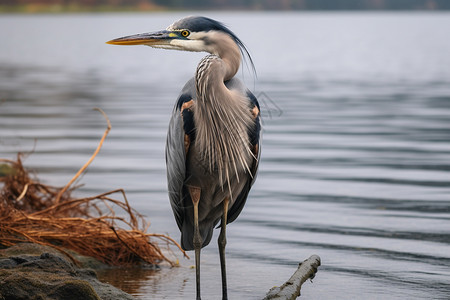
column 222, row 243
column 195, row 196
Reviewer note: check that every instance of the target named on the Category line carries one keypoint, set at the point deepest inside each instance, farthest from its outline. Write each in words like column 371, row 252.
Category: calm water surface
column 356, row 154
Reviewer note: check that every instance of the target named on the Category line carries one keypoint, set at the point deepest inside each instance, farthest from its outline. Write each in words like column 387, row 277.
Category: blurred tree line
column 312, row 4
column 247, row 4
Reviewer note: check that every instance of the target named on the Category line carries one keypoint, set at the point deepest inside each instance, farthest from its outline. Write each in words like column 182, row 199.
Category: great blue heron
column 212, row 149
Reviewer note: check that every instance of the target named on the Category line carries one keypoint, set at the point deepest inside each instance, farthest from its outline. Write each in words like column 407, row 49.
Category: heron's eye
column 185, row 33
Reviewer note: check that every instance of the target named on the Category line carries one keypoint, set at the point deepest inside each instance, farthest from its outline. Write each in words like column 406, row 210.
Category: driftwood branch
column 290, row 290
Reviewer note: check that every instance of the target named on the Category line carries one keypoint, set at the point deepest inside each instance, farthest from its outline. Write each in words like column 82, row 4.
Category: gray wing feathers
column 176, row 167
column 238, row 205
column 176, row 156
column 235, row 210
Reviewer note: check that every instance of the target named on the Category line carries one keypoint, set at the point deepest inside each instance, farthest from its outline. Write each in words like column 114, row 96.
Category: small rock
column 31, row 271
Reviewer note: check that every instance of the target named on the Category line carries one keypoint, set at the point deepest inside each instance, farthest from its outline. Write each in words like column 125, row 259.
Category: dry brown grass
column 99, row 226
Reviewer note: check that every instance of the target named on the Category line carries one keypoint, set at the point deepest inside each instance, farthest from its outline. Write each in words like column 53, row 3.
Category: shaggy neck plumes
column 222, row 117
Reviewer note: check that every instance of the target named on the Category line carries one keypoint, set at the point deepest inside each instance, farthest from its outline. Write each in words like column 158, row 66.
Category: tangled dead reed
column 34, row 212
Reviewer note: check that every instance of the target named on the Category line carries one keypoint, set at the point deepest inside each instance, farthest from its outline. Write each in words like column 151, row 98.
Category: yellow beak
column 155, row 38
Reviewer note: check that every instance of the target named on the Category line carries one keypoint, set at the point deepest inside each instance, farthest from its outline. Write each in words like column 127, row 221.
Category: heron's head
column 188, row 34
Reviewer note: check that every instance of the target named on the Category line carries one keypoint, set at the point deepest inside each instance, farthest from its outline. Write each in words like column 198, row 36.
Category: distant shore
column 150, row 7
column 75, row 8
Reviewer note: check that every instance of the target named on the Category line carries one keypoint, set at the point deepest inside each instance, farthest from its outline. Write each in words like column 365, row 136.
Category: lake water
column 356, row 154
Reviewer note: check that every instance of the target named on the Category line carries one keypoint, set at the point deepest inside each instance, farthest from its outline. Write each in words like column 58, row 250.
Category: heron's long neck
column 222, row 117
column 213, row 70
column 231, row 56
